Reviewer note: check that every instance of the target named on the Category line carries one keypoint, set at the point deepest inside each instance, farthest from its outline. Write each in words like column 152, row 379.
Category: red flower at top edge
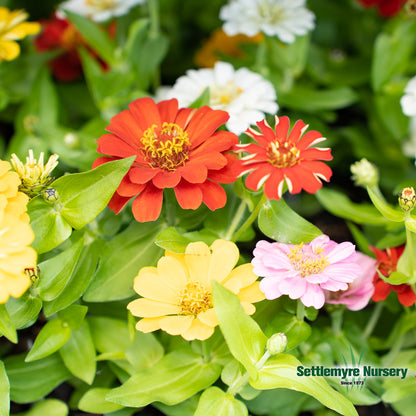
column 174, row 148
column 280, row 155
column 387, row 263
column 385, row 8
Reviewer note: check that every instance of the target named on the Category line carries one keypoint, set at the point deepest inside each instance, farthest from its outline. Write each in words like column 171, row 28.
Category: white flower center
column 101, row 4
column 221, row 95
column 272, row 13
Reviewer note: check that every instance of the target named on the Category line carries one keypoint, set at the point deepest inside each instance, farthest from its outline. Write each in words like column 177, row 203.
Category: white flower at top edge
column 244, row 94
column 100, row 10
column 408, row 101
column 285, row 19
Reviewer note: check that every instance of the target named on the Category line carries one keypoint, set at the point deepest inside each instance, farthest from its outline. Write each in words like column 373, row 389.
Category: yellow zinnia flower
column 177, row 294
column 12, row 28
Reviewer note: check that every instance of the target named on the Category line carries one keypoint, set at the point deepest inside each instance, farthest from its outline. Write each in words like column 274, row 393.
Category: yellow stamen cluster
column 282, row 155
column 307, row 263
column 166, row 147
column 194, row 299
column 101, row 4
column 223, row 94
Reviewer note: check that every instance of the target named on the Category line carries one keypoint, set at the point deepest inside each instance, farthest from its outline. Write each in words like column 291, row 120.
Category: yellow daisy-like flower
column 12, row 28
column 177, row 294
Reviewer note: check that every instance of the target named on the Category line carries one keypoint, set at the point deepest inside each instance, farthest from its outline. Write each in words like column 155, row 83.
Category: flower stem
column 300, row 311
column 372, row 322
column 409, row 245
column 252, row 217
column 261, row 58
column 392, row 354
column 336, row 318
column 236, row 220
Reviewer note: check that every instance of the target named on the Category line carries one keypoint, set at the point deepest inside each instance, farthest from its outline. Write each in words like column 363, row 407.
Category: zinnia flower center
column 308, row 261
column 101, row 4
column 273, row 14
column 282, row 155
column 166, row 147
column 194, row 299
column 223, row 94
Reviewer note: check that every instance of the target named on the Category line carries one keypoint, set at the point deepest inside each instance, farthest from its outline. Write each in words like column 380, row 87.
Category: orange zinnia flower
column 280, row 155
column 174, row 148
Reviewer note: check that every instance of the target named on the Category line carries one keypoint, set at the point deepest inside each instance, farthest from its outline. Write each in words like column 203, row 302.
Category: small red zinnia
column 282, row 156
column 387, row 263
column 385, row 8
column 174, row 148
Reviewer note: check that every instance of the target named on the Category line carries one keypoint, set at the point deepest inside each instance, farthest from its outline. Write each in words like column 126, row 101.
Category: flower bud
column 407, row 199
column 364, row 173
column 50, row 195
column 276, row 343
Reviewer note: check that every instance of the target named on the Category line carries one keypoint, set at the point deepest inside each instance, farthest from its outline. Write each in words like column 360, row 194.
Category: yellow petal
column 209, row 317
column 147, row 308
column 149, row 285
column 17, row 284
column 224, row 257
column 172, row 273
column 176, row 325
column 249, row 309
column 9, row 50
column 148, row 324
column 197, row 258
column 4, row 293
column 198, row 330
column 251, row 293
column 22, row 30
column 15, row 263
column 239, row 278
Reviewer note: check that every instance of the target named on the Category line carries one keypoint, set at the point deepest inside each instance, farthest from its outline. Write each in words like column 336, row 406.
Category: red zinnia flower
column 282, row 156
column 387, row 263
column 174, row 148
column 386, row 8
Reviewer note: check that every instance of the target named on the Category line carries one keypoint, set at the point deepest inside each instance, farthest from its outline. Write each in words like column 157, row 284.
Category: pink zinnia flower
column 305, row 270
column 359, row 292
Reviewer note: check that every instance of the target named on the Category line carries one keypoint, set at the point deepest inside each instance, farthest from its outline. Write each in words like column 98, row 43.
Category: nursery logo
column 352, row 374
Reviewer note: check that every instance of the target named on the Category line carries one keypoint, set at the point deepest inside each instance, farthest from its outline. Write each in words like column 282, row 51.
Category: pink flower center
column 165, row 147
column 194, row 299
column 307, row 261
column 282, row 155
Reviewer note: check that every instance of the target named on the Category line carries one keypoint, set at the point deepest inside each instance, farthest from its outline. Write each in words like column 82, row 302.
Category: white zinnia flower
column 408, row 101
column 100, row 10
column 285, row 19
column 244, row 94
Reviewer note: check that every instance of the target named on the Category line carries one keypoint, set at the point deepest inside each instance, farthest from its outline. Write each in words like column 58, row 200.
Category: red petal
column 381, row 291
column 408, row 297
column 308, row 139
column 189, row 195
column 142, row 175
column 317, row 167
column 146, row 113
column 271, row 188
column 168, row 110
column 128, row 188
column 316, row 154
column 194, row 172
column 125, row 126
column 164, row 179
column 254, row 178
column 282, row 128
column 213, row 195
column 209, row 160
column 183, row 116
column 110, row 144
column 118, row 202
column 252, row 148
column 220, row 141
column 294, row 179
column 296, row 131
column 309, row 182
column 147, row 206
column 226, row 174
column 268, row 136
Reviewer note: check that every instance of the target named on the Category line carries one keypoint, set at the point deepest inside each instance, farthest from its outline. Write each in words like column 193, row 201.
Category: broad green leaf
column 203, row 99
column 340, row 205
column 94, row 401
column 24, row 310
column 280, row 371
column 51, row 337
column 50, row 228
column 98, row 39
column 78, row 354
column 185, row 408
column 109, row 334
column 79, row 280
column 56, row 271
column 30, row 382
column 121, row 260
column 4, row 391
column 47, row 407
column 397, row 389
column 278, row 221
column 385, row 209
column 176, row 377
column 6, row 325
column 170, row 239
column 84, row 195
column 244, row 337
column 216, row 402
column 73, row 315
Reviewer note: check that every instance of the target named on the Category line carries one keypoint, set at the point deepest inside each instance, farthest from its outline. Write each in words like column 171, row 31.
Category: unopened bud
column 364, row 173
column 407, row 199
column 276, row 343
column 50, row 195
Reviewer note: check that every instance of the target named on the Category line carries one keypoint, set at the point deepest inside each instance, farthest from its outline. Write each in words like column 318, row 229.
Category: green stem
column 252, row 217
column 372, row 322
column 300, row 311
column 397, row 346
column 409, row 244
column 170, row 206
column 261, row 58
column 336, row 318
column 236, row 220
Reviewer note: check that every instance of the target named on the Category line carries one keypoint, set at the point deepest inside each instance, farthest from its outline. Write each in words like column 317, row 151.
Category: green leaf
column 78, row 354
column 79, row 280
column 203, row 99
column 244, row 337
column 278, row 221
column 4, row 391
column 398, row 389
column 98, row 39
column 30, row 382
column 280, row 371
column 385, row 209
column 52, row 336
column 24, row 310
column 340, row 205
column 6, row 325
column 84, row 195
column 170, row 239
column 94, row 401
column 121, row 260
column 176, row 377
column 73, row 315
column 56, row 271
column 47, row 407
column 50, row 228
column 216, row 402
